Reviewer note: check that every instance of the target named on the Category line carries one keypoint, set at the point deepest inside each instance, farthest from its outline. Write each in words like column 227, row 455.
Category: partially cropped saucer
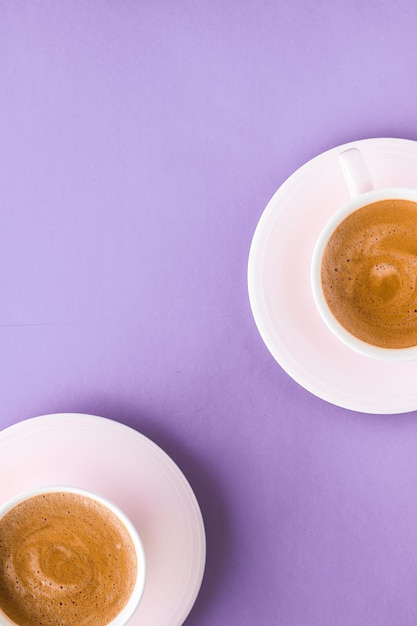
column 119, row 463
column 279, row 282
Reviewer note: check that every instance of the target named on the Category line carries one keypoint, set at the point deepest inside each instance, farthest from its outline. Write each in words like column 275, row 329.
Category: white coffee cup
column 362, row 194
column 123, row 617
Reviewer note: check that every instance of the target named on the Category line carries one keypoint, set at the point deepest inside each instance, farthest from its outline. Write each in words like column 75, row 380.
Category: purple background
column 139, row 144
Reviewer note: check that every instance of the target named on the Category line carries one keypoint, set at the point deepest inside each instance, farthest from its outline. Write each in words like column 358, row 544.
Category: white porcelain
column 129, row 609
column 106, row 457
column 357, row 202
column 282, row 301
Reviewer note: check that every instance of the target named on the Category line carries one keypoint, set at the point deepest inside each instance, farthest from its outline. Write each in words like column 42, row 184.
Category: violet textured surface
column 140, row 143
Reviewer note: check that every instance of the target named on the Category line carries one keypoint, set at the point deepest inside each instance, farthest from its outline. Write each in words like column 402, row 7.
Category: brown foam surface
column 369, row 273
column 64, row 560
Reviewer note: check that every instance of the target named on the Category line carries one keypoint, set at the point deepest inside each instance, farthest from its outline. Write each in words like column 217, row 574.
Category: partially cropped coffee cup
column 68, row 557
column 364, row 267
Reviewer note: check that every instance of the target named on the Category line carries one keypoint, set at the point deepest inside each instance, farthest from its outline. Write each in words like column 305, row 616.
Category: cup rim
column 354, row 204
column 130, row 607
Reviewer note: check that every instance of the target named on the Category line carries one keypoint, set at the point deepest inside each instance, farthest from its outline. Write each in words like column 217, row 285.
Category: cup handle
column 355, row 171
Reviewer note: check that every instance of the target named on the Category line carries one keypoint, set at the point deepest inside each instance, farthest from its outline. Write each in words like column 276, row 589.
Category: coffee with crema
column 369, row 273
column 65, row 559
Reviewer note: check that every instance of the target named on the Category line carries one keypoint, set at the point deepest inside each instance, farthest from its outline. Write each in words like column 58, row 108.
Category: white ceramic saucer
column 279, row 283
column 116, row 461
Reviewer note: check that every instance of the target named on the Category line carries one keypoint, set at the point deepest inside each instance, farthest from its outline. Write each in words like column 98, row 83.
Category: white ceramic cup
column 362, row 193
column 128, row 610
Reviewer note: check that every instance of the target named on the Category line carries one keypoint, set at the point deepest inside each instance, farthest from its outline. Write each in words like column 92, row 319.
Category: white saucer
column 116, row 461
column 279, row 283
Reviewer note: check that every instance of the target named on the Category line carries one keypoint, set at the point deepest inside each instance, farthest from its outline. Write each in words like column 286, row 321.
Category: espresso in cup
column 369, row 273
column 65, row 559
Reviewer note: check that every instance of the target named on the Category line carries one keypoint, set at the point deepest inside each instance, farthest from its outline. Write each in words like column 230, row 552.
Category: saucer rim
column 273, row 211
column 10, row 436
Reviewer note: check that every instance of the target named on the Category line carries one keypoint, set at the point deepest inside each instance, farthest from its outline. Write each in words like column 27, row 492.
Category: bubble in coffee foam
column 369, row 273
column 65, row 560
